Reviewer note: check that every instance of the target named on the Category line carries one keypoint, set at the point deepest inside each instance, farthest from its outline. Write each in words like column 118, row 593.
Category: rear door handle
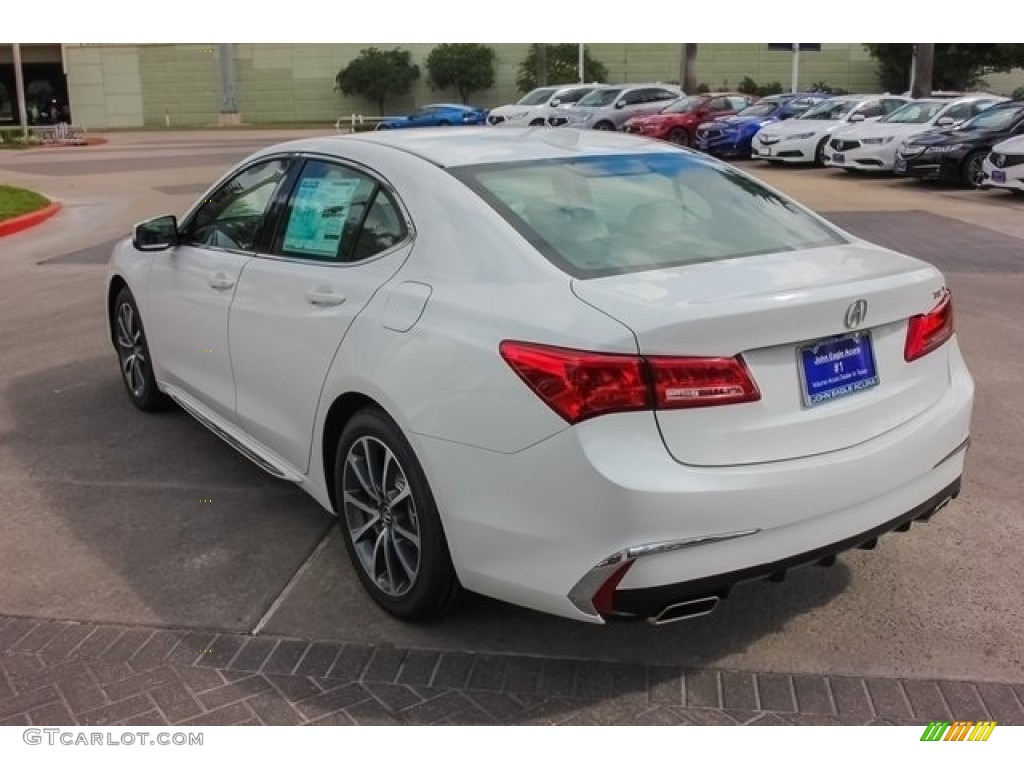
column 220, row 281
column 324, row 297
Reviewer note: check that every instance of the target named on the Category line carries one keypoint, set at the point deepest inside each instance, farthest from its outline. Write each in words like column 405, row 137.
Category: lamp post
column 19, row 87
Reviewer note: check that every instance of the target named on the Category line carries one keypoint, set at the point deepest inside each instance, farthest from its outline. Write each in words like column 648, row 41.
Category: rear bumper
column 531, row 527
column 651, row 601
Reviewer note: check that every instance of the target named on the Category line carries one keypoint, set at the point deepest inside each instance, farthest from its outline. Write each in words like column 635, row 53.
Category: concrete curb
column 27, row 220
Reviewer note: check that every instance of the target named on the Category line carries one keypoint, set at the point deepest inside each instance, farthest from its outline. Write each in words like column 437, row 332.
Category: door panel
column 287, row 322
column 190, row 291
column 340, row 239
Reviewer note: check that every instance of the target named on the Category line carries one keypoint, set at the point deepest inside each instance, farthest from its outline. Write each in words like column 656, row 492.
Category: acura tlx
column 584, row 372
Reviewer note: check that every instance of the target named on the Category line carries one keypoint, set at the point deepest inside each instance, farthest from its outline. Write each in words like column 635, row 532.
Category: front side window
column 601, row 215
column 337, row 214
column 232, row 216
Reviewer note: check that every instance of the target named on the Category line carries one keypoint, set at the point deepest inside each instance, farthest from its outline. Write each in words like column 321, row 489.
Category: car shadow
column 120, row 516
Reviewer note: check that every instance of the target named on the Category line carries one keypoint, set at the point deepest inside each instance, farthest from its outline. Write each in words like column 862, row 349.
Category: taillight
column 926, row 333
column 694, row 382
column 578, row 385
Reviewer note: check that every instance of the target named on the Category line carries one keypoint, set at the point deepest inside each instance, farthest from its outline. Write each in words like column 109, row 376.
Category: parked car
column 434, row 115
column 1004, row 167
column 731, row 136
column 608, row 107
column 552, row 367
column 803, row 139
column 957, row 155
column 679, row 120
column 540, row 104
column 872, row 146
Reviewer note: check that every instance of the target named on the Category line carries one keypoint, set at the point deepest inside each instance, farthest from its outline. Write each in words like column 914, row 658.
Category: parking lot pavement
column 115, row 517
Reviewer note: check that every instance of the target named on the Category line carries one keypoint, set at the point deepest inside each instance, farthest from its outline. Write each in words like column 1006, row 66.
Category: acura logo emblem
column 856, row 313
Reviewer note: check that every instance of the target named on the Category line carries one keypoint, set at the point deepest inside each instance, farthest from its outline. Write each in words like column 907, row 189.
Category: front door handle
column 324, row 297
column 220, row 281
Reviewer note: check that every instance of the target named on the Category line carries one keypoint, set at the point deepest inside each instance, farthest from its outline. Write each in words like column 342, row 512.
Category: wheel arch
column 117, row 283
column 344, row 407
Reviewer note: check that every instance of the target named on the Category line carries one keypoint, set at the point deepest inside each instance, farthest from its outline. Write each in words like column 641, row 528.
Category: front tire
column 972, row 170
column 390, row 522
column 819, row 153
column 604, row 125
column 134, row 356
column 679, row 136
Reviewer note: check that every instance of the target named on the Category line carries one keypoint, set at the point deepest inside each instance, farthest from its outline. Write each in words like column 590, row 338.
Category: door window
column 338, row 214
column 232, row 216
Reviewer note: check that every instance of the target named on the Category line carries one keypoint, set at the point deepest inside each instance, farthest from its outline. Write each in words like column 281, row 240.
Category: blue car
column 731, row 136
column 433, row 115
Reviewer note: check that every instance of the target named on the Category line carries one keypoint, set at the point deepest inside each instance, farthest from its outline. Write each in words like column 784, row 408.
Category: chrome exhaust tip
column 688, row 609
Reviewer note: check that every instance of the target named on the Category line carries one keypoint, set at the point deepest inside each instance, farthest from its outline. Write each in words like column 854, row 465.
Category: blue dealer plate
column 999, row 177
column 836, row 367
column 838, row 158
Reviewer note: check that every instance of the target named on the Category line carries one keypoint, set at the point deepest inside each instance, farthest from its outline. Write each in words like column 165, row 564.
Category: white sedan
column 803, row 138
column 538, row 106
column 579, row 371
column 872, row 146
column 1004, row 166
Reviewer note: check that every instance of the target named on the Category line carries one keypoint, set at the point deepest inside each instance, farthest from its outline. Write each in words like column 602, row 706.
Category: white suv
column 540, row 104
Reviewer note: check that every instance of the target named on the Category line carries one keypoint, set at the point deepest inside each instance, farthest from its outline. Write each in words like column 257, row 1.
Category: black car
column 955, row 155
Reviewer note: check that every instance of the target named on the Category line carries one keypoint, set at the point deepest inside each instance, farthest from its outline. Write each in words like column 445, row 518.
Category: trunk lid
column 765, row 308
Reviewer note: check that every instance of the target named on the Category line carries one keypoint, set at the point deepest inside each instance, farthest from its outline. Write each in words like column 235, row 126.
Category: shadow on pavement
column 116, row 515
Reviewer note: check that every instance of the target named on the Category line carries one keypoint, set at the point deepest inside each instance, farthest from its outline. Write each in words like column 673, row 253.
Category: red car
column 679, row 120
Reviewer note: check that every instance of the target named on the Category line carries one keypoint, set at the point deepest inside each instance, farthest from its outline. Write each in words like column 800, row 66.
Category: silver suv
column 608, row 107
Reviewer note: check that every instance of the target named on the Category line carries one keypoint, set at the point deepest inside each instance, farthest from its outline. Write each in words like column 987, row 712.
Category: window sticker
column 320, row 209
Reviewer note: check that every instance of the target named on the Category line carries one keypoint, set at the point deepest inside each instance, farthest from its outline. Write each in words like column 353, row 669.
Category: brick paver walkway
column 70, row 673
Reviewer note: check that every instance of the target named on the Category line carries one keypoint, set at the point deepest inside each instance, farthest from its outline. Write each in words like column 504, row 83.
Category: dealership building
column 187, row 85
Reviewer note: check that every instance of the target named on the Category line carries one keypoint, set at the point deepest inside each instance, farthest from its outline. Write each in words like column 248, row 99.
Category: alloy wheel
column 131, row 348
column 381, row 515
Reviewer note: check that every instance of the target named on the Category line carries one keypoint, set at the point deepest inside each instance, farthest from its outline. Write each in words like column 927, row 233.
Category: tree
column 562, row 66
column 466, row 67
column 956, row 67
column 378, row 75
column 689, row 67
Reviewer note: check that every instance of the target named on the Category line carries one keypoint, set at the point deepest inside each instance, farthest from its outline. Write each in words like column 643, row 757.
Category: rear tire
column 443, row 122
column 134, row 356
column 392, row 529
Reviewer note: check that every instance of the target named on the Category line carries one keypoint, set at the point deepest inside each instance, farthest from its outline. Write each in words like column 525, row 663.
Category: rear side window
column 603, row 215
column 337, row 214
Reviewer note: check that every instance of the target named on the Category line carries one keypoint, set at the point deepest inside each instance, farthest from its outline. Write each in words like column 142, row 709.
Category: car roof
column 452, row 147
column 447, row 106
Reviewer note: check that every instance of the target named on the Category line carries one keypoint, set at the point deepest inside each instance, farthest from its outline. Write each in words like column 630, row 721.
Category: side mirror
column 944, row 122
column 156, row 234
column 555, row 102
column 620, row 103
column 858, row 118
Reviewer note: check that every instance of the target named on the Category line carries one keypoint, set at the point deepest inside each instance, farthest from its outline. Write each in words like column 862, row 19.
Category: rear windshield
column 610, row 214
